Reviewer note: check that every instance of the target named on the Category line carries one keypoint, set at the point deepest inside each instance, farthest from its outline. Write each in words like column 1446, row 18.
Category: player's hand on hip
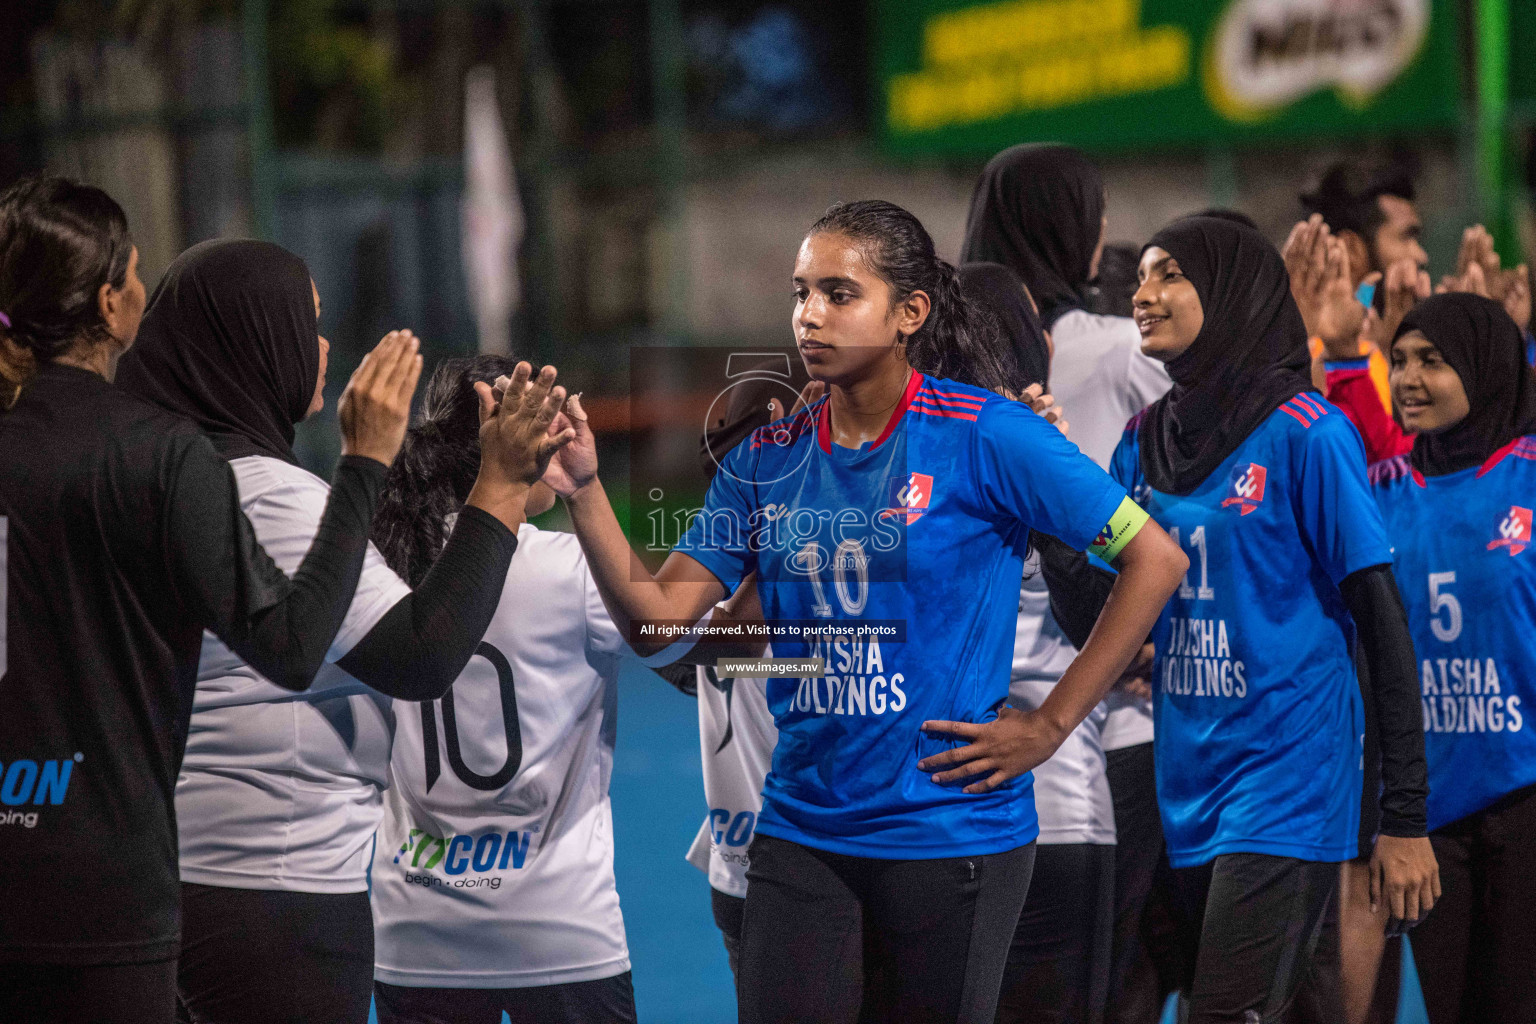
column 375, row 408
column 516, row 443
column 1010, row 745
column 1405, row 877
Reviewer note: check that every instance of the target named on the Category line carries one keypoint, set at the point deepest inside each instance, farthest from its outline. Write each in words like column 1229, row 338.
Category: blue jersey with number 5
column 920, row 537
column 1257, row 710
column 1468, row 577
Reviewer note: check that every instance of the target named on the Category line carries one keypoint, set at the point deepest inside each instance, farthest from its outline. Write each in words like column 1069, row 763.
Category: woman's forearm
column 419, row 647
column 1150, row 569
column 630, row 592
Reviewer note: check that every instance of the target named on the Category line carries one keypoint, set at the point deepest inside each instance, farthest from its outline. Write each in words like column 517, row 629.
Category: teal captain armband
column 1127, row 521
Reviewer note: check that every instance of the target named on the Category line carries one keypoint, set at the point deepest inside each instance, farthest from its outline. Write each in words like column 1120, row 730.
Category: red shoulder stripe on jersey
column 1520, row 447
column 953, row 414
column 1134, row 424
column 1310, row 400
column 1293, row 414
column 1389, row 469
column 795, row 425
column 1299, row 404
column 924, row 405
column 947, row 398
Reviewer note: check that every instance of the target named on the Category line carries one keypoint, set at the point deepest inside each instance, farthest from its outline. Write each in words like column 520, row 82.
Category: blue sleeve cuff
column 1363, row 363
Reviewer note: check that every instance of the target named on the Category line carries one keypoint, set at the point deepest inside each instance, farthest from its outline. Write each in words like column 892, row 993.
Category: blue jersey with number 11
column 922, row 531
column 1256, row 706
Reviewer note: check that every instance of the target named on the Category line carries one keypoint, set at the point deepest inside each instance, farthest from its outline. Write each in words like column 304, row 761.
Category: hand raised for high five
column 516, row 443
column 376, row 405
column 575, row 465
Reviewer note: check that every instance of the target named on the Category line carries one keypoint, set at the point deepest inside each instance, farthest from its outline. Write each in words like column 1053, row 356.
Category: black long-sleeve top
column 121, row 540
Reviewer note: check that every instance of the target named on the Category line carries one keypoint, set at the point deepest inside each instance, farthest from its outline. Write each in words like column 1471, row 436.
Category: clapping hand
column 1406, row 285
column 1323, row 287
column 1480, row 272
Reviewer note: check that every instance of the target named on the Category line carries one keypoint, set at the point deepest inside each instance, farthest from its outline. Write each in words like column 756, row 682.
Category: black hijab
column 1250, row 355
column 1039, row 210
column 1482, row 344
column 997, row 289
column 230, row 341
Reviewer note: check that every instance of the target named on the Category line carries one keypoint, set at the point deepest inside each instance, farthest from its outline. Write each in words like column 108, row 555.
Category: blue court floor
column 680, row 971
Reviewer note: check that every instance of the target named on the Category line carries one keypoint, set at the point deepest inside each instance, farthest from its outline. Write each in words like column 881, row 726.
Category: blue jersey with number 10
column 1468, row 576
column 1256, row 706
column 924, row 531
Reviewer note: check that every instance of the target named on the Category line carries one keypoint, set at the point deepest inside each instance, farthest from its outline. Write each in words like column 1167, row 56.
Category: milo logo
column 1265, row 54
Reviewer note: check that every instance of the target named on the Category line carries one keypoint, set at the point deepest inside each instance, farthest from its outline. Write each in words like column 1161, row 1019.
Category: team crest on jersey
column 1247, row 488
column 910, row 499
column 1514, row 531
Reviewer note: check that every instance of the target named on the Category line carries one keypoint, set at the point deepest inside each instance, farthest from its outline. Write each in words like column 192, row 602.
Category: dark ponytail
column 431, row 477
column 60, row 241
column 958, row 341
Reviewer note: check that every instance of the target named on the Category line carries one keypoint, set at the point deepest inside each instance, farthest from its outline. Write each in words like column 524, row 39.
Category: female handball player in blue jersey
column 889, row 866
column 1458, row 510
column 1258, row 714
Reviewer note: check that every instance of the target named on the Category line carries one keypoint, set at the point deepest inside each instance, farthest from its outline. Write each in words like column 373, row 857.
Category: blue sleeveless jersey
column 923, row 532
column 1257, row 711
column 1468, row 575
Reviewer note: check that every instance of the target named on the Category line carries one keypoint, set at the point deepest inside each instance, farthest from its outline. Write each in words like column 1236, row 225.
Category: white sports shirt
column 281, row 790
column 494, row 865
column 736, row 741
column 1071, row 789
column 1101, row 379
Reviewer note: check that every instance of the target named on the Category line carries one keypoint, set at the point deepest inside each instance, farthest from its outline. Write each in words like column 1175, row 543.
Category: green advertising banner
column 966, row 78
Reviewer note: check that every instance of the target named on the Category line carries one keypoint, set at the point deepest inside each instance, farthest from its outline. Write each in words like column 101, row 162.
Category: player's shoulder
column 551, row 548
column 1521, row 453
column 1307, row 430
column 131, row 422
column 1390, row 472
column 779, row 438
column 943, row 399
column 262, row 475
column 1133, row 427
column 1303, row 413
column 1309, row 421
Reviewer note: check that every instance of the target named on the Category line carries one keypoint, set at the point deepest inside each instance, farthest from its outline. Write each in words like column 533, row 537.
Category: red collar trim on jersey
column 1497, row 457
column 824, row 420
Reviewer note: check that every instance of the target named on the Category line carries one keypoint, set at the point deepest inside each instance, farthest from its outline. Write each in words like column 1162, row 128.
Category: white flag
column 492, row 214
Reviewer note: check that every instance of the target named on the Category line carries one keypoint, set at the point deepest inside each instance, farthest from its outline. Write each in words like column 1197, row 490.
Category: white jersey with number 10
column 494, row 866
